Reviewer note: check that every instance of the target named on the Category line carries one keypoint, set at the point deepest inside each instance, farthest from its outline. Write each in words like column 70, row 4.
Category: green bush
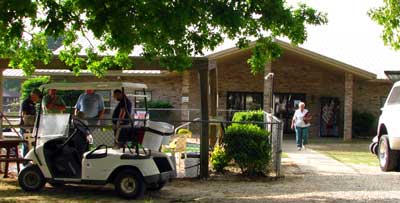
column 219, row 159
column 248, row 145
column 159, row 104
column 363, row 123
column 256, row 116
column 32, row 83
column 159, row 115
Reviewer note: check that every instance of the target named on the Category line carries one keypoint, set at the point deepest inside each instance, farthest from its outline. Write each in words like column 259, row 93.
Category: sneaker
column 304, row 147
column 298, row 148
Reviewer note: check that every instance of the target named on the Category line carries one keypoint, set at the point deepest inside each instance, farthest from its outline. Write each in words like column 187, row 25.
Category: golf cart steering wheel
column 81, row 126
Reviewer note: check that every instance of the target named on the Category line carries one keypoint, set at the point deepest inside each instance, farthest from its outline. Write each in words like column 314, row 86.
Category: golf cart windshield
column 53, row 125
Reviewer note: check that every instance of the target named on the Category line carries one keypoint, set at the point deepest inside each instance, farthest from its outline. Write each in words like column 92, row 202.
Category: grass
column 284, row 155
column 353, row 152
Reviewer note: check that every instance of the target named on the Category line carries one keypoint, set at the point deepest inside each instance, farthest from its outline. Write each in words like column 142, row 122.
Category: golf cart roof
column 94, row 86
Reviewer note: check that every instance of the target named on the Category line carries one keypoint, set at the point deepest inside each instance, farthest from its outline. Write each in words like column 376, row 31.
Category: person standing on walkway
column 301, row 123
column 53, row 103
column 91, row 106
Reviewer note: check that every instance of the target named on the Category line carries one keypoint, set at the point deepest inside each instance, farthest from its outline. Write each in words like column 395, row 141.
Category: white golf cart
column 61, row 153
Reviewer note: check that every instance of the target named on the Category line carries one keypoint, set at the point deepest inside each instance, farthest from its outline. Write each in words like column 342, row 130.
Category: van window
column 394, row 96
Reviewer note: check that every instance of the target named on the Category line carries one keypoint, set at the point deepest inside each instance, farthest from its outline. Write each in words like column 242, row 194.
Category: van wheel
column 156, row 186
column 387, row 157
column 31, row 179
column 130, row 184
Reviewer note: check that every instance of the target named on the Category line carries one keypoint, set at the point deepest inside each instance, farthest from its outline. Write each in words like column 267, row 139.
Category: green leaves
column 388, row 16
column 172, row 31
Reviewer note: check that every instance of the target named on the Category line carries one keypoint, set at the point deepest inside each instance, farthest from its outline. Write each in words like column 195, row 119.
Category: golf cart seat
column 68, row 156
column 128, row 135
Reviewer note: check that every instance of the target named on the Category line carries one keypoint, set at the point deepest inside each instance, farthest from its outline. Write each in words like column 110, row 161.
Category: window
column 237, row 101
column 139, row 101
column 394, row 97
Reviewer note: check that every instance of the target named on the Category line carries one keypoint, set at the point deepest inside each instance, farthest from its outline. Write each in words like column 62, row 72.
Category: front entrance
column 241, row 101
column 285, row 104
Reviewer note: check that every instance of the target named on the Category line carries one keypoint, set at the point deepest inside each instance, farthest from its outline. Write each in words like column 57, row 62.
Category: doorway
column 285, row 104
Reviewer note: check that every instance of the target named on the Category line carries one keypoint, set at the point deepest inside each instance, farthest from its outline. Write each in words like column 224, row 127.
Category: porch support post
column 348, row 106
column 212, row 66
column 1, row 100
column 185, row 114
column 268, row 82
column 204, row 91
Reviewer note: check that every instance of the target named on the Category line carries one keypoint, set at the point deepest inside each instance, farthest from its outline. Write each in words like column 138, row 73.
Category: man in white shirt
column 300, row 124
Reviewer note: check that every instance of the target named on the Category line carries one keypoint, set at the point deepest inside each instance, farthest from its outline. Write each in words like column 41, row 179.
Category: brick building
column 331, row 89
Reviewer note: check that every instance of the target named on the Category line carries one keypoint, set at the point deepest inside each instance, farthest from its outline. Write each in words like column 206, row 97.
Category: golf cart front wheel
column 130, row 184
column 31, row 179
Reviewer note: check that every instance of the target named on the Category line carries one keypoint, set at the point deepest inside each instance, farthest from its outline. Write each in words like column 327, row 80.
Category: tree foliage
column 388, row 16
column 171, row 30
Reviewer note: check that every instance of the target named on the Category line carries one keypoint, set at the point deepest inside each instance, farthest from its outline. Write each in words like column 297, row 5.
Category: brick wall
column 368, row 96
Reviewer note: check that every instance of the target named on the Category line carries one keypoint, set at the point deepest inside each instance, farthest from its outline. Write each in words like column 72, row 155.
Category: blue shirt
column 90, row 104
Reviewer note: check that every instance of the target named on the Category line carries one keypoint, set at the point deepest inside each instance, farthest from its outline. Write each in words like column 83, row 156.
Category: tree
column 172, row 30
column 388, row 15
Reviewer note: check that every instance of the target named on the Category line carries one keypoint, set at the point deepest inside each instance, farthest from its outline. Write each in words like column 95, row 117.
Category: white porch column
column 268, row 83
column 1, row 100
column 348, row 106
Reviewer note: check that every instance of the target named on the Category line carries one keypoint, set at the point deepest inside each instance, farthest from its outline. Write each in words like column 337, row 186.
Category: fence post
column 279, row 148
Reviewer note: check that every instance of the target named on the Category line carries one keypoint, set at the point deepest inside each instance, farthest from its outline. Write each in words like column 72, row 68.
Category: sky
column 351, row 36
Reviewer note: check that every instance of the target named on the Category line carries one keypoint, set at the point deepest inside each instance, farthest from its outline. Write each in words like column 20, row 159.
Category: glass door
column 285, row 104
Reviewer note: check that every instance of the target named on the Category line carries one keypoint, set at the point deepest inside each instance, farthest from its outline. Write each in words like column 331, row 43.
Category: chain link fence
column 190, row 119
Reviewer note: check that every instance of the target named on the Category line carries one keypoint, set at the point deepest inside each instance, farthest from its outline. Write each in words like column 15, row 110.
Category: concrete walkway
column 311, row 162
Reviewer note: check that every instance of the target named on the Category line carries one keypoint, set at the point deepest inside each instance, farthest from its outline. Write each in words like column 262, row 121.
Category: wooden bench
column 8, row 145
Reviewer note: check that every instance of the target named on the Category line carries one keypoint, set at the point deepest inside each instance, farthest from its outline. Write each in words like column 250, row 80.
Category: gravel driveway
column 309, row 177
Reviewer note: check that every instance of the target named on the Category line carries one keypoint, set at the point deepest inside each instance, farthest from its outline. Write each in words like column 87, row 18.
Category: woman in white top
column 300, row 126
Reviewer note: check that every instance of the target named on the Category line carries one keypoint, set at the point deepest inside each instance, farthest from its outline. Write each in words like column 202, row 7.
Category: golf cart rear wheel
column 31, row 179
column 130, row 184
column 388, row 158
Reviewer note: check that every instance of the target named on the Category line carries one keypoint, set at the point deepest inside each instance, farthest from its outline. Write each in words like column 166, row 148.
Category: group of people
column 89, row 106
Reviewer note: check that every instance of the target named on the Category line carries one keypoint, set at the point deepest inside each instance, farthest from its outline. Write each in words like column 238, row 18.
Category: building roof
column 304, row 52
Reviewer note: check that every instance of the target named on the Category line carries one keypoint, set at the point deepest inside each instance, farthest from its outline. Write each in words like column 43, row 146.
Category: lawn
column 354, row 152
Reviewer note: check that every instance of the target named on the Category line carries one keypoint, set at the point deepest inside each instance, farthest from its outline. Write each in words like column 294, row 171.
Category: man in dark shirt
column 123, row 110
column 120, row 115
column 28, row 113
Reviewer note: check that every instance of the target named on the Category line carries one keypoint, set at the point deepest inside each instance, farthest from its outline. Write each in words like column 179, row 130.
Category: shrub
column 248, row 145
column 219, row 159
column 363, row 123
column 159, row 104
column 256, row 116
column 159, row 115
